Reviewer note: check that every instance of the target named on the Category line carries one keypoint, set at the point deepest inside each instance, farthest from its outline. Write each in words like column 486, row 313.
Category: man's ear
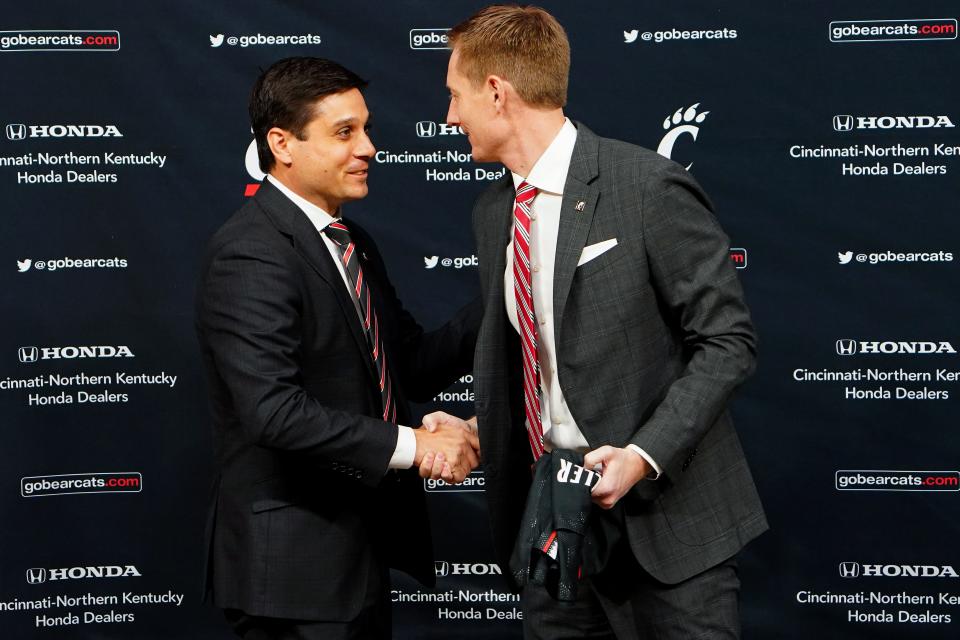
column 279, row 141
column 497, row 88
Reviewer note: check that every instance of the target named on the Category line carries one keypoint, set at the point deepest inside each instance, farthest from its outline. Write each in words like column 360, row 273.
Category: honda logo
column 16, row 131
column 426, row 129
column 846, row 347
column 36, row 576
column 843, row 123
column 441, row 568
column 849, row 569
column 28, row 354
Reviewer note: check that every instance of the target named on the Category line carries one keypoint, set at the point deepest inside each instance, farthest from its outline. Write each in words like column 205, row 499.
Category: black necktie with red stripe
column 340, row 234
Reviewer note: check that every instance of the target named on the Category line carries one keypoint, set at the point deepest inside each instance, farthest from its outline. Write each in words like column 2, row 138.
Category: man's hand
column 447, row 448
column 621, row 469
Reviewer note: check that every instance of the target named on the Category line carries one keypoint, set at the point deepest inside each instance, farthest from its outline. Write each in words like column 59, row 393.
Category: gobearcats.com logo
column 78, row 483
column 431, row 262
column 912, row 29
column 60, row 40
column 422, row 39
column 683, row 121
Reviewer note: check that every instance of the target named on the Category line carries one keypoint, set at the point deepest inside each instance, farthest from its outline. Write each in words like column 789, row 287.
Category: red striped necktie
column 526, row 317
column 340, row 234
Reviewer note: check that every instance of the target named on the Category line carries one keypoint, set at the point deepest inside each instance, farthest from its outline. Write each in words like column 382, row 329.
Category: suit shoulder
column 626, row 163
column 248, row 223
column 619, row 152
column 248, row 232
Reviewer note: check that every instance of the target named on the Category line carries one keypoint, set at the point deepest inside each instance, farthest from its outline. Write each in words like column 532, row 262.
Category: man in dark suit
column 614, row 325
column 310, row 359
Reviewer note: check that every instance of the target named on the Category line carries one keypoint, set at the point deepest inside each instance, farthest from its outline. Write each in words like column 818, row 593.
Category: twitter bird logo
column 216, row 41
column 845, row 258
column 630, row 36
column 24, row 265
column 431, row 261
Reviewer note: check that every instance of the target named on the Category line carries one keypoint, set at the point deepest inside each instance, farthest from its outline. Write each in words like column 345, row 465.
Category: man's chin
column 479, row 155
column 358, row 192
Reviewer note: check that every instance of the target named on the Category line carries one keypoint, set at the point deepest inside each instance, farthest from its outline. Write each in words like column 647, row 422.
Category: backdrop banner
column 826, row 136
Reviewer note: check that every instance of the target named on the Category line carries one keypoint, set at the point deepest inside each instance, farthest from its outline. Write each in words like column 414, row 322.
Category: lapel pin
column 580, row 205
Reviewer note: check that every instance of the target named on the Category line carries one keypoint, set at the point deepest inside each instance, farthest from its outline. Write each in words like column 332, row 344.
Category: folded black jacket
column 561, row 539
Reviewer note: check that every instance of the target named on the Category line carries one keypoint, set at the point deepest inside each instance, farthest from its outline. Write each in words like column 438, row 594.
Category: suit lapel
column 493, row 235
column 292, row 222
column 576, row 217
column 498, row 220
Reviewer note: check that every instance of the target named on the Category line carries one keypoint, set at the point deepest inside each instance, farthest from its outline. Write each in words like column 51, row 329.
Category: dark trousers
column 374, row 622
column 624, row 602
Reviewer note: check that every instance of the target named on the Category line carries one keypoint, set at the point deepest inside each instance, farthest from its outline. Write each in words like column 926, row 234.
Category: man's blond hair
column 524, row 45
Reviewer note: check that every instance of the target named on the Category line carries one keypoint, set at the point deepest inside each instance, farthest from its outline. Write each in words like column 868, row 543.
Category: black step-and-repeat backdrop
column 827, row 137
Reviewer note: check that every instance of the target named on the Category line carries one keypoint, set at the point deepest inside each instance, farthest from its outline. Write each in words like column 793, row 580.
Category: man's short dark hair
column 285, row 94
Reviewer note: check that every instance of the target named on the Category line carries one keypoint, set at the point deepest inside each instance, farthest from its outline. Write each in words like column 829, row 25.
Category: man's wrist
column 655, row 471
column 405, row 453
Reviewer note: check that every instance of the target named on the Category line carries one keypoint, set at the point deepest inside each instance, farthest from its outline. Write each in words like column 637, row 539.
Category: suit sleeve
column 690, row 268
column 438, row 358
column 430, row 361
column 249, row 319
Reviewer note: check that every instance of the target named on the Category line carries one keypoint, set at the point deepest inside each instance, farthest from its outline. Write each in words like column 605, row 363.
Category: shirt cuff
column 406, row 449
column 643, row 454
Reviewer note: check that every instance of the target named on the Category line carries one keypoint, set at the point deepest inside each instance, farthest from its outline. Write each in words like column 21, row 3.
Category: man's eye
column 344, row 133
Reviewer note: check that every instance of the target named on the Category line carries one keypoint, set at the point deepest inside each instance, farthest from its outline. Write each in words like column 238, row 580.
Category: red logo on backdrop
column 252, row 163
column 738, row 256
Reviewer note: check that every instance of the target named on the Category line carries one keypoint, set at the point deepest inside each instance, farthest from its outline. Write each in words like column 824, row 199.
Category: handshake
column 447, row 447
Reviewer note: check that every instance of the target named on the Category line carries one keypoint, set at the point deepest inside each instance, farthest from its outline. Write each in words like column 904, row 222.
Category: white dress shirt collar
column 549, row 173
column 318, row 217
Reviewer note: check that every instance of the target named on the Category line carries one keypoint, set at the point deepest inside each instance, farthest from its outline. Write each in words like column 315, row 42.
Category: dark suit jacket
column 652, row 337
column 303, row 501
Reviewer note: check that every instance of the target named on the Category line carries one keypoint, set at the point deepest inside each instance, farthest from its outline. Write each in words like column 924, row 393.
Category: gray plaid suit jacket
column 652, row 338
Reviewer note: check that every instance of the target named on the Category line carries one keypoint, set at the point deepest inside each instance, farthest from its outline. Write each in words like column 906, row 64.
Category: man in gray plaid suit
column 641, row 335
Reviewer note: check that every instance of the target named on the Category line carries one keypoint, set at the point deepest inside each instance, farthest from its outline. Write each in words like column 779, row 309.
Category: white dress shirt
column 406, row 449
column 549, row 175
